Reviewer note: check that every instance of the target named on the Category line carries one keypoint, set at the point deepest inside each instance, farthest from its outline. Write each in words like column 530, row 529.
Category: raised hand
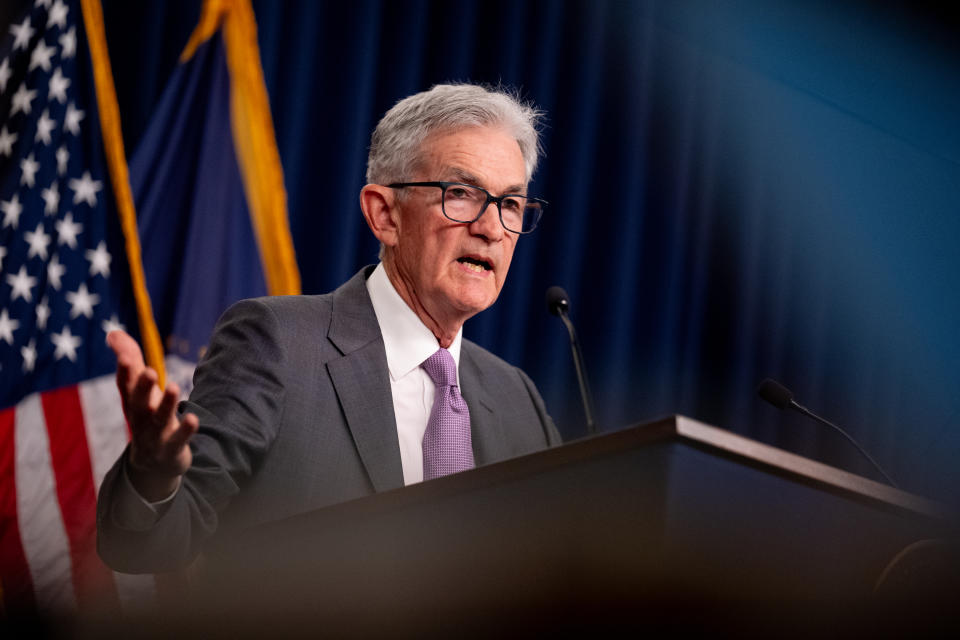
column 159, row 451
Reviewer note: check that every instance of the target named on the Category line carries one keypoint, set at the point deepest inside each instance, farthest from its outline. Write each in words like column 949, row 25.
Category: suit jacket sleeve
column 238, row 398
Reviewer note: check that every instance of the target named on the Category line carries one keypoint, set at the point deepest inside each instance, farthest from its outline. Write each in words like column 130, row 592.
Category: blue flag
column 209, row 189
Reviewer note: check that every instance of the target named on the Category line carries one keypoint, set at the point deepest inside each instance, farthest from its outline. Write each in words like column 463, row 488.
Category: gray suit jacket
column 296, row 413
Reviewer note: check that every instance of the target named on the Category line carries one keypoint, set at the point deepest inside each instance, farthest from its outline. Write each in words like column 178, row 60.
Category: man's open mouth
column 476, row 264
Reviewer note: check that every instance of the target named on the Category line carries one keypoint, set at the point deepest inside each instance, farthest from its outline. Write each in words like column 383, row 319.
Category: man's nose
column 488, row 224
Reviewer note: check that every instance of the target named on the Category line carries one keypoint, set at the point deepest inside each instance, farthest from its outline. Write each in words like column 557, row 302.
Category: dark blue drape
column 740, row 189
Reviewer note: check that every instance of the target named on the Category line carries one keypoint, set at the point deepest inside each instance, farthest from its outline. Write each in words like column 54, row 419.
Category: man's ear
column 379, row 205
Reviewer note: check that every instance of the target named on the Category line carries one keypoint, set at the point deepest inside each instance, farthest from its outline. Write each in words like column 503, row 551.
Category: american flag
column 64, row 283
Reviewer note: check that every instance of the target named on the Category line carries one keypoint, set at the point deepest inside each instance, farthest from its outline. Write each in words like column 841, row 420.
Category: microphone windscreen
column 775, row 393
column 557, row 300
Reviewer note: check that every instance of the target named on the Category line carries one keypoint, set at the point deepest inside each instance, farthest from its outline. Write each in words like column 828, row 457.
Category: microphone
column 558, row 304
column 782, row 398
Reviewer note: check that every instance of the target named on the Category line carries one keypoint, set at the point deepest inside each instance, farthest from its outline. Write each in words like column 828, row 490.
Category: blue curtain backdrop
column 739, row 189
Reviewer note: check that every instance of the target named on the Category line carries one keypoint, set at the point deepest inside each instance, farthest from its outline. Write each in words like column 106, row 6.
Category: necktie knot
column 441, row 368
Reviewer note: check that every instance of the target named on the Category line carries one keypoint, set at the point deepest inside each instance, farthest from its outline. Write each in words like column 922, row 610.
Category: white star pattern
column 82, row 302
column 4, row 74
column 63, row 157
column 41, row 56
column 85, row 189
column 51, row 196
column 99, row 260
column 28, row 168
column 113, row 324
column 66, row 344
column 29, row 354
column 21, row 285
column 55, row 271
column 7, row 327
column 68, row 230
column 22, row 99
column 71, row 122
column 58, row 15
column 22, row 34
column 44, row 126
column 58, row 86
column 6, row 142
column 43, row 314
column 11, row 211
column 38, row 240
column 68, row 42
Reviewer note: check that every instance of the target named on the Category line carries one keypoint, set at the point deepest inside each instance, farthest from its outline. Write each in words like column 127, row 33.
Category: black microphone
column 558, row 304
column 782, row 398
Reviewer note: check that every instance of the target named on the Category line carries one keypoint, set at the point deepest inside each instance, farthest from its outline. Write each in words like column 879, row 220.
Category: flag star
column 43, row 313
column 58, row 15
column 11, row 211
column 85, row 189
column 44, row 126
column 71, row 121
column 66, row 344
column 7, row 326
column 38, row 240
column 63, row 156
column 28, row 168
column 6, row 142
column 3, row 253
column 22, row 34
column 22, row 99
column 58, row 86
column 113, row 324
column 40, row 57
column 99, row 260
column 55, row 271
column 29, row 354
column 51, row 196
column 68, row 230
column 21, row 285
column 68, row 42
column 4, row 74
column 82, row 302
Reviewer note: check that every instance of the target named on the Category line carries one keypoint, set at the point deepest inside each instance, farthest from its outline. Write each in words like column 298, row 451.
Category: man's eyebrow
column 461, row 175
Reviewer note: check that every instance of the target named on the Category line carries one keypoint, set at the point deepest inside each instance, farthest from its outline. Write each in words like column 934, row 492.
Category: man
column 305, row 401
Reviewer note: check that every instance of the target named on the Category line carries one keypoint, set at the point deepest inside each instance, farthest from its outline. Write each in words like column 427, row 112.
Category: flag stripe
column 17, row 587
column 107, row 436
column 71, row 464
column 107, row 433
column 44, row 539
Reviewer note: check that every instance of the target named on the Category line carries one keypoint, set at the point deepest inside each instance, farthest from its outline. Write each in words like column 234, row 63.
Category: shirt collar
column 408, row 342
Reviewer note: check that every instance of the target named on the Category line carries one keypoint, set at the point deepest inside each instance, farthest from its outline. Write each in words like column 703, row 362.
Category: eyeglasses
column 466, row 203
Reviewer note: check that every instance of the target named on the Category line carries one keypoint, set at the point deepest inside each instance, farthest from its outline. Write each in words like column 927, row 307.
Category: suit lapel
column 362, row 381
column 486, row 429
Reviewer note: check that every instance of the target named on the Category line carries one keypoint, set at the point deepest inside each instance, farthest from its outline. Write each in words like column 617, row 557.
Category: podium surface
column 664, row 516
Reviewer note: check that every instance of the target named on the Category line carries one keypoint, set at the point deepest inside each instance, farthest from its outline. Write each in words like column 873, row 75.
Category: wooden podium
column 672, row 522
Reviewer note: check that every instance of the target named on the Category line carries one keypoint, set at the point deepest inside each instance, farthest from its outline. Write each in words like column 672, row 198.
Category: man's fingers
column 181, row 436
column 142, row 401
column 126, row 349
column 168, row 404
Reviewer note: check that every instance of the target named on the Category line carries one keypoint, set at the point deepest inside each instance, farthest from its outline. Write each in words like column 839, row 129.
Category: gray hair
column 395, row 146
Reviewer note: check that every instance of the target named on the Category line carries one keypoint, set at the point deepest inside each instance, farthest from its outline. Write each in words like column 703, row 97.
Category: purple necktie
column 446, row 442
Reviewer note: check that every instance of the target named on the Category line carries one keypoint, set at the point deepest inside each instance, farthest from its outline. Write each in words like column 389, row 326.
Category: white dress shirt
column 408, row 343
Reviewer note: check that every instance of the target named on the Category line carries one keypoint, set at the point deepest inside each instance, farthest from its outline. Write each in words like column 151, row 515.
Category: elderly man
column 306, row 401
